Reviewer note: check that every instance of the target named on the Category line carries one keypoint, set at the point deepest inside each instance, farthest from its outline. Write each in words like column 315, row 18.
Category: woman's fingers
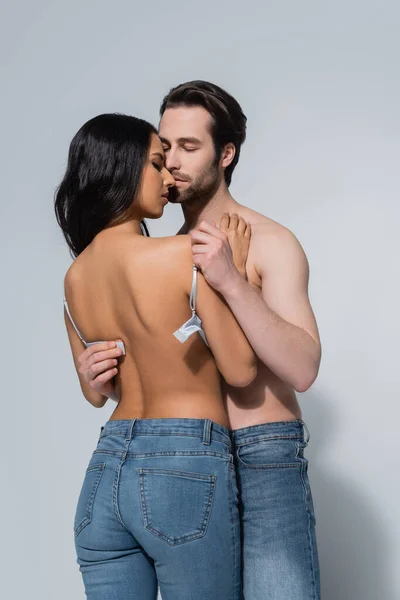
column 99, row 382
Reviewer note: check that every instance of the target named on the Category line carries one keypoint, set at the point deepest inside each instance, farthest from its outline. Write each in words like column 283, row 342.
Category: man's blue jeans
column 279, row 550
column 159, row 504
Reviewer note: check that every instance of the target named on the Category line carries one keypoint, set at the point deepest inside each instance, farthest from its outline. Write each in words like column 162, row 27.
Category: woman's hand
column 239, row 234
column 98, row 366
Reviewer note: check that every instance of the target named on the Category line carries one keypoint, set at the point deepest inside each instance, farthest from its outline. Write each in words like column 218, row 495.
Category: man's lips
column 177, row 178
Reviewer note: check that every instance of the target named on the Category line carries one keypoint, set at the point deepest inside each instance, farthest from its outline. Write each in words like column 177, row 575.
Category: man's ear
column 227, row 155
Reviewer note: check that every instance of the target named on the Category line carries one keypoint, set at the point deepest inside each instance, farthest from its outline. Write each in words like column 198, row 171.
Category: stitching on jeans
column 266, row 438
column 206, row 520
column 210, row 479
column 267, row 466
column 142, row 499
column 115, row 495
column 177, row 473
column 171, row 453
column 90, row 501
column 235, row 541
column 216, row 436
column 306, row 493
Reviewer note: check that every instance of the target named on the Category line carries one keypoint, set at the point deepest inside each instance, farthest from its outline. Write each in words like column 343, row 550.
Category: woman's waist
column 173, row 404
column 164, row 436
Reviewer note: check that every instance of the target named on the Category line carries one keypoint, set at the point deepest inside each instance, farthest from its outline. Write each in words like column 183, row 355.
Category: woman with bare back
column 158, row 505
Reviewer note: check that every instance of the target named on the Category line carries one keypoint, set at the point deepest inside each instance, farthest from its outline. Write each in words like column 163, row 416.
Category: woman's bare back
column 137, row 289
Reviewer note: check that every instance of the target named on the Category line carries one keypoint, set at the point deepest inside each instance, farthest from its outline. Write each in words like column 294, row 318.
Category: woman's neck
column 132, row 226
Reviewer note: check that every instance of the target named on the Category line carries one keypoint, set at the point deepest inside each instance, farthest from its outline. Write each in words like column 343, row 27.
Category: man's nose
column 169, row 181
column 172, row 161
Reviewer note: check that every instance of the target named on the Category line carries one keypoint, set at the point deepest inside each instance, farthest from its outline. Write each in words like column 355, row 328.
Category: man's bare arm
column 280, row 323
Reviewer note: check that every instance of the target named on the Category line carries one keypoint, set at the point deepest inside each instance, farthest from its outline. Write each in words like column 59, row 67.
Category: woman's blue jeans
column 159, row 506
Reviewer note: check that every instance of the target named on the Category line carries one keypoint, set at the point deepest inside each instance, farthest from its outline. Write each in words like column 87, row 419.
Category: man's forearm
column 289, row 351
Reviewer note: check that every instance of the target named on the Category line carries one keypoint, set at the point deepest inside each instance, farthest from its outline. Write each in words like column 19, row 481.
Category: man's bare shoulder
column 265, row 231
column 272, row 246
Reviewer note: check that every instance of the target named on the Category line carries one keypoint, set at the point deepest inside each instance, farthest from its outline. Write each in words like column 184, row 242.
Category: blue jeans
column 159, row 505
column 279, row 550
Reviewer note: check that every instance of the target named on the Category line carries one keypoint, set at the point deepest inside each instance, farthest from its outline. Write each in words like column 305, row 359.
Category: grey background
column 319, row 83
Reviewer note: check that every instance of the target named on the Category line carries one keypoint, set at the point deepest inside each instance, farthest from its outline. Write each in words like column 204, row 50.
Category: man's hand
column 98, row 366
column 213, row 255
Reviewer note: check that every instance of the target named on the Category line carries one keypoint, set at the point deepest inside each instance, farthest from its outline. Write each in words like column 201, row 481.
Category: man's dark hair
column 228, row 120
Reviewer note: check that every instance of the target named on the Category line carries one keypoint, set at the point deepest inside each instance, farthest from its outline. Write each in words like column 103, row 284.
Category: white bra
column 182, row 334
column 87, row 344
column 194, row 324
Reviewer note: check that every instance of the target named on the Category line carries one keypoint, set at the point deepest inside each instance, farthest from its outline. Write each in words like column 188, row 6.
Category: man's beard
column 200, row 191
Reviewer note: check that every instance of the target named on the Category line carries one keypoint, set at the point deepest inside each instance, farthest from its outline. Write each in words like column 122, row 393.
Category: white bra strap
column 193, row 292
column 73, row 324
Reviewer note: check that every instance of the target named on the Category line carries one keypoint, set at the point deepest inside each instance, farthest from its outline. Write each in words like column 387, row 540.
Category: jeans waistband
column 204, row 429
column 279, row 430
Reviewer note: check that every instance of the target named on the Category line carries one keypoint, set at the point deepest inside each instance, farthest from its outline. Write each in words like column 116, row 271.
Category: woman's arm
column 233, row 354
column 90, row 370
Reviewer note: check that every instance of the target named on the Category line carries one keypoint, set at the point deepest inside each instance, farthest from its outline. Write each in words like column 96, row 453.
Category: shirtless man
column 202, row 128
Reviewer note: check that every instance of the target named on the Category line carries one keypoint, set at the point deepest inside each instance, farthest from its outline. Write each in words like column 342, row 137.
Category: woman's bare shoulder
column 168, row 255
column 174, row 243
column 74, row 274
column 167, row 252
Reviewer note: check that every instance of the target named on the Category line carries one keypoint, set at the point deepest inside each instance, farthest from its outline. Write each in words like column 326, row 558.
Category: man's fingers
column 211, row 229
column 200, row 237
column 200, row 249
column 198, row 260
column 247, row 233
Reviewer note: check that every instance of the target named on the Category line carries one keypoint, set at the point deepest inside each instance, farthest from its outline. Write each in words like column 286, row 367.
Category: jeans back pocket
column 84, row 510
column 176, row 505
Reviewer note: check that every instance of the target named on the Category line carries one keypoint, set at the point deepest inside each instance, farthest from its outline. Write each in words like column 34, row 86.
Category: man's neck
column 222, row 202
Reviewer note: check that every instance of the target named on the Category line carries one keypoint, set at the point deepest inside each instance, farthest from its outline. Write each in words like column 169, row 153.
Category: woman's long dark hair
column 105, row 164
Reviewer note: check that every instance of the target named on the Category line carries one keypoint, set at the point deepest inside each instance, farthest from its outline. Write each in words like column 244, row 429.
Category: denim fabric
column 159, row 505
column 279, row 550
